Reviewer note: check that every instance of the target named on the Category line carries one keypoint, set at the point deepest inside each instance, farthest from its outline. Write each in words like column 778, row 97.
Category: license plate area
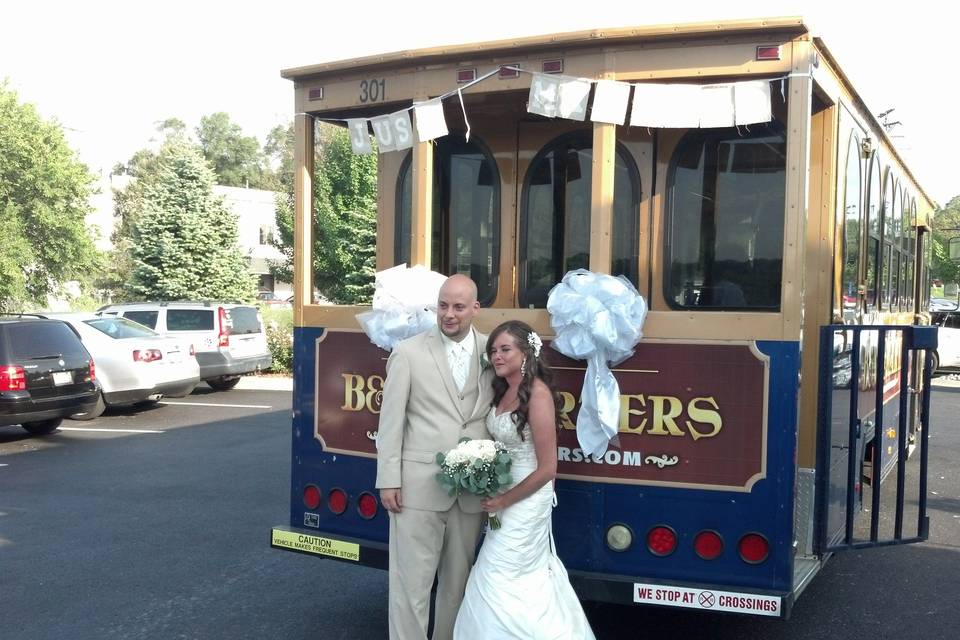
column 61, row 378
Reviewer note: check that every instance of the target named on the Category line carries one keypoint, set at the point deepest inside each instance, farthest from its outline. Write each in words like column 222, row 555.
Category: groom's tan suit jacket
column 423, row 414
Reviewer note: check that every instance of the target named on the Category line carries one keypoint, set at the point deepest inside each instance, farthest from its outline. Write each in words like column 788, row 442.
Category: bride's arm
column 543, row 428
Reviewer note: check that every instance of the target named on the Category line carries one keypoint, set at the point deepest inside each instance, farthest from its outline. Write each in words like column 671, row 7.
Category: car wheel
column 223, row 383
column 42, row 427
column 95, row 412
column 936, row 363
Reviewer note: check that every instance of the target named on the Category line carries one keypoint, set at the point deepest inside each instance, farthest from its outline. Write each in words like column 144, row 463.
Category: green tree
column 235, row 158
column 944, row 219
column 184, row 240
column 345, row 219
column 44, row 200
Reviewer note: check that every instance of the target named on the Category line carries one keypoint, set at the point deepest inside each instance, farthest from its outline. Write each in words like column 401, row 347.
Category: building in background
column 257, row 227
column 255, row 210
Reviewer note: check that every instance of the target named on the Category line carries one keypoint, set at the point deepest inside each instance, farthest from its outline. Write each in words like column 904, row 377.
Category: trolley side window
column 852, row 230
column 886, row 257
column 725, row 216
column 466, row 213
column 555, row 218
column 909, row 255
column 873, row 231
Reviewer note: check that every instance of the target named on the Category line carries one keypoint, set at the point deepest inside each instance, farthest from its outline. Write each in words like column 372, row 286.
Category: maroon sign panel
column 691, row 414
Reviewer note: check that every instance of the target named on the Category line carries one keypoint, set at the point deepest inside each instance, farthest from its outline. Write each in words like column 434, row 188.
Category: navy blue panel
column 585, row 510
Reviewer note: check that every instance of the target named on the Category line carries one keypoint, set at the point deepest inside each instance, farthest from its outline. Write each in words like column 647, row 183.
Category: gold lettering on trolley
column 362, row 393
column 661, row 419
column 704, row 416
column 639, row 414
column 569, row 402
column 626, row 411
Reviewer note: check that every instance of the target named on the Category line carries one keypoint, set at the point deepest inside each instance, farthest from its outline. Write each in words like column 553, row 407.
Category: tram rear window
column 724, row 240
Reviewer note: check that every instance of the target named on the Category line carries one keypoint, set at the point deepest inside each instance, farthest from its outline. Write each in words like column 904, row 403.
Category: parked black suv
column 45, row 373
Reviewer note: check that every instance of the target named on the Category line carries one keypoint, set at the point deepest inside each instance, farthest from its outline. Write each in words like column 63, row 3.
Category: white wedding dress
column 518, row 587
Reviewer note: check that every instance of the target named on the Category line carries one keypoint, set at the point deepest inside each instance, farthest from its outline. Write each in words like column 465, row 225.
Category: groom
column 436, row 392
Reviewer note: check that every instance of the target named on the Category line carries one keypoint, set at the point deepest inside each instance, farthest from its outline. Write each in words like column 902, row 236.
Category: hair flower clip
column 535, row 343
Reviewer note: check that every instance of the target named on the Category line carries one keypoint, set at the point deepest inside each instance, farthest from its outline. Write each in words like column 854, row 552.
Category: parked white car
column 134, row 363
column 229, row 338
column 942, row 304
column 947, row 355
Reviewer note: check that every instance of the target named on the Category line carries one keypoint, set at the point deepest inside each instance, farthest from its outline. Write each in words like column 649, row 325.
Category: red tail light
column 337, row 501
column 12, row 379
column 224, row 338
column 708, row 545
column 661, row 540
column 93, row 370
column 311, row 497
column 367, row 506
column 147, row 355
column 753, row 548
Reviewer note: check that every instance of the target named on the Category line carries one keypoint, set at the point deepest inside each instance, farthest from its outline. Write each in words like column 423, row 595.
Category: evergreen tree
column 184, row 240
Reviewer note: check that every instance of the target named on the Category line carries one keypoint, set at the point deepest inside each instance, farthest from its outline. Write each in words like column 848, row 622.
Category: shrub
column 279, row 325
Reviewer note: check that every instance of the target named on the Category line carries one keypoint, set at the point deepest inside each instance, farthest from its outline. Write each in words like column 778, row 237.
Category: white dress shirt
column 458, row 357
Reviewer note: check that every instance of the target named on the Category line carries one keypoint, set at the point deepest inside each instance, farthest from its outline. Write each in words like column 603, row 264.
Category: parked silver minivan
column 229, row 339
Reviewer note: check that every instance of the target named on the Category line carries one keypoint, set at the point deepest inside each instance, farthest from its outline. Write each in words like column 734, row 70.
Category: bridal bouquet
column 479, row 467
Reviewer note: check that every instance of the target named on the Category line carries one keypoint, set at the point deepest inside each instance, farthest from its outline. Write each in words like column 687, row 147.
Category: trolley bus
column 780, row 386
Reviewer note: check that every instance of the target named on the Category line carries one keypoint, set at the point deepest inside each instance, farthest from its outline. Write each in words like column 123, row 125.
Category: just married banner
column 654, row 105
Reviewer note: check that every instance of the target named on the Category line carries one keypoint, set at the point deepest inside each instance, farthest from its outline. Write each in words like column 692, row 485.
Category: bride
column 518, row 587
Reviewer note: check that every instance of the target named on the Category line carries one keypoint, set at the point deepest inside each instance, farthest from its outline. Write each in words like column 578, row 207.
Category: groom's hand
column 391, row 499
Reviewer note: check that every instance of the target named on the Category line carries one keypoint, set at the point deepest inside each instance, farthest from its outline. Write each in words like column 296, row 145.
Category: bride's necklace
column 508, row 404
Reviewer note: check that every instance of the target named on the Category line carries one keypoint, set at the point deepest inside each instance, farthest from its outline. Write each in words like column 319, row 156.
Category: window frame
column 633, row 170
column 442, row 230
column 776, row 127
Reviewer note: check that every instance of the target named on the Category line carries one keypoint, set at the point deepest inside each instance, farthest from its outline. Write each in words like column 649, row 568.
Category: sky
column 108, row 71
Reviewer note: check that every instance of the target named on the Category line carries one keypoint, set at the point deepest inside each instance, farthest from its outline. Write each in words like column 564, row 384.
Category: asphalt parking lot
column 154, row 523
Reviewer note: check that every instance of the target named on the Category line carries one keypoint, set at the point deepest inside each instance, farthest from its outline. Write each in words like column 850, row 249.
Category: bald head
column 457, row 306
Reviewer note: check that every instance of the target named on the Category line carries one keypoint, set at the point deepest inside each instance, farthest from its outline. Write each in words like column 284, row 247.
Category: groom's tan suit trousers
column 423, row 413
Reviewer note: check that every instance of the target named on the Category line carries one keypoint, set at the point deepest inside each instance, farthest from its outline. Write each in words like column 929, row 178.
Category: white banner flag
column 666, row 106
column 544, row 95
column 716, row 105
column 574, row 94
column 752, row 102
column 359, row 136
column 386, row 140
column 610, row 102
column 430, row 120
column 402, row 129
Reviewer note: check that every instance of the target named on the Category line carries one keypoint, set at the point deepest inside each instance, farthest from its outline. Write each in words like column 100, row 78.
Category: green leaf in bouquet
column 482, row 480
column 465, row 481
column 440, row 458
column 504, row 479
column 462, row 440
column 478, row 464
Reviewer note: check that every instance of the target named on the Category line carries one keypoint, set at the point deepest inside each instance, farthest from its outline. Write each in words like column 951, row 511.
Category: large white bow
column 597, row 318
column 404, row 305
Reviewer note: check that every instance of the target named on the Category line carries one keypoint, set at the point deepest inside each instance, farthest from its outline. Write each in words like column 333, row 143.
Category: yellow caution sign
column 316, row 544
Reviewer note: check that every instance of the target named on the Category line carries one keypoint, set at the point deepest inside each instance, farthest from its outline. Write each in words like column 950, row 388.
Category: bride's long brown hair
column 536, row 367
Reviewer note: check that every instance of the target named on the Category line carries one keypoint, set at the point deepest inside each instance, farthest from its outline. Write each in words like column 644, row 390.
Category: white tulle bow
column 404, row 304
column 597, row 318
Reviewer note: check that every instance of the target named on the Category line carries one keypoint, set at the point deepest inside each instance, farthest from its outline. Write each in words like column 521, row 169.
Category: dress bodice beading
column 503, row 428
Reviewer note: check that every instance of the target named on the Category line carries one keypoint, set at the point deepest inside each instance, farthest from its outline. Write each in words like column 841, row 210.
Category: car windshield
column 121, row 328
